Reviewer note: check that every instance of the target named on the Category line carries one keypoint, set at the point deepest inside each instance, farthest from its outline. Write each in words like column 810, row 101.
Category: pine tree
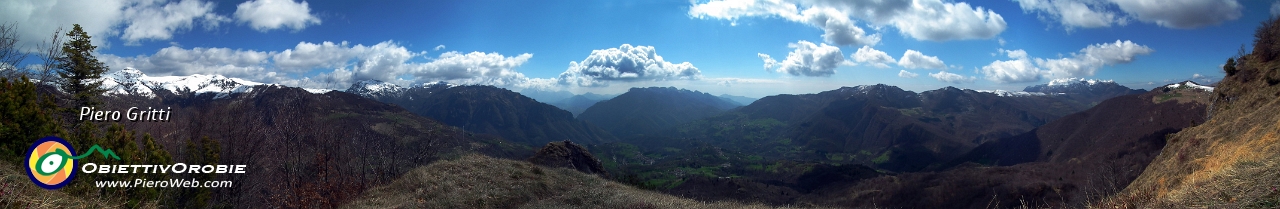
column 23, row 117
column 79, row 70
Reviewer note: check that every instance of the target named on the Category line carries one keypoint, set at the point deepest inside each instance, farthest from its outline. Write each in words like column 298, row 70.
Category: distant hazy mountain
column 576, row 104
column 487, row 110
column 741, row 100
column 1088, row 91
column 546, row 96
column 644, row 110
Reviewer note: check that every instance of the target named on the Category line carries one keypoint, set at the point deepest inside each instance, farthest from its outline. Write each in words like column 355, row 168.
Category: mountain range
column 644, row 110
column 486, row 110
column 948, row 136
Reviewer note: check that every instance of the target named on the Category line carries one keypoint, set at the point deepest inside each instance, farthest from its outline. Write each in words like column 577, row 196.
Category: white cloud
column 267, row 15
column 385, row 61
column 1023, row 68
column 1275, row 8
column 472, row 68
column 625, row 63
column 769, row 62
column 907, row 74
column 379, row 61
column 874, row 57
column 130, row 20
column 913, row 59
column 1020, row 69
column 920, row 19
column 151, row 20
column 1182, row 14
column 941, row 21
column 245, row 64
column 1074, row 13
column 945, row 76
column 439, row 47
column 839, row 29
column 809, row 59
column 1091, row 58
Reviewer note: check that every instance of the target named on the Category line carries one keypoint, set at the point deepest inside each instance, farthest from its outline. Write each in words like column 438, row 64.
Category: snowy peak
column 130, row 81
column 437, row 84
column 1189, row 84
column 1004, row 93
column 374, row 88
column 1077, row 81
column 1077, row 85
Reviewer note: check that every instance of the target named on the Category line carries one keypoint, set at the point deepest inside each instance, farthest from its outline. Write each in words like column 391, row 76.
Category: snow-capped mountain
column 130, row 81
column 374, row 88
column 1075, row 85
column 1189, row 84
column 1004, row 93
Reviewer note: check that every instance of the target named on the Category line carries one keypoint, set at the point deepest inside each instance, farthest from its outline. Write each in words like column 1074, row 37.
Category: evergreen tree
column 1230, row 67
column 79, row 70
column 23, row 117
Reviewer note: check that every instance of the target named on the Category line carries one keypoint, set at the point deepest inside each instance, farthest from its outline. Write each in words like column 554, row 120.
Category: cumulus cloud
column 769, row 62
column 913, row 59
column 246, row 64
column 809, row 59
column 385, row 57
column 1019, row 69
column 945, row 76
column 267, row 15
column 439, row 47
column 385, row 61
column 473, row 68
column 1093, row 57
column 1182, row 14
column 1023, row 68
column 907, row 74
column 920, row 19
column 150, row 20
column 873, row 57
column 1074, row 13
column 132, row 21
column 625, row 63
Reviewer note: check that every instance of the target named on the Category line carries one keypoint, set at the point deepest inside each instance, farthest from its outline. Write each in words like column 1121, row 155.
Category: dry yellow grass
column 1229, row 161
column 477, row 181
column 17, row 191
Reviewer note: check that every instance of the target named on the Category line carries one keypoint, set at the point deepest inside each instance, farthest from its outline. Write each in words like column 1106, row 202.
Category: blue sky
column 614, row 44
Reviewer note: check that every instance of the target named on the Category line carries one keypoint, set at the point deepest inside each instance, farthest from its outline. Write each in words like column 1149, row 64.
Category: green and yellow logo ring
column 50, row 162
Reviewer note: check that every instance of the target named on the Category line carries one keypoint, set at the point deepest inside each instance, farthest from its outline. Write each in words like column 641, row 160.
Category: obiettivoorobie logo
column 51, row 161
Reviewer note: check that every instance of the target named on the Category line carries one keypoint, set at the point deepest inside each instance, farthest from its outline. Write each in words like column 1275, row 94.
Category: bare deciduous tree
column 50, row 49
column 11, row 53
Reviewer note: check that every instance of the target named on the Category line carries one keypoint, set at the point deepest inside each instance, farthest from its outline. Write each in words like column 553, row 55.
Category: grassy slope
column 477, row 181
column 1230, row 161
column 17, row 191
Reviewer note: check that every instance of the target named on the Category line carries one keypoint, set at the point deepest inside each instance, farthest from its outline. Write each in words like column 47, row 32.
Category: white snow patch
column 1189, row 85
column 1004, row 93
column 1069, row 81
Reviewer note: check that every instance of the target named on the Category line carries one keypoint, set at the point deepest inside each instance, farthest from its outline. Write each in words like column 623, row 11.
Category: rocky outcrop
column 566, row 154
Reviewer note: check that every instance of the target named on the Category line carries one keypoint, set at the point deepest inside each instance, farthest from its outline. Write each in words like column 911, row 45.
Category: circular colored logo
column 50, row 163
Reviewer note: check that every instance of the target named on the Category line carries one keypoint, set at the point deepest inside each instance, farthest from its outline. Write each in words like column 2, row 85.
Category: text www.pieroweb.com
column 170, row 183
